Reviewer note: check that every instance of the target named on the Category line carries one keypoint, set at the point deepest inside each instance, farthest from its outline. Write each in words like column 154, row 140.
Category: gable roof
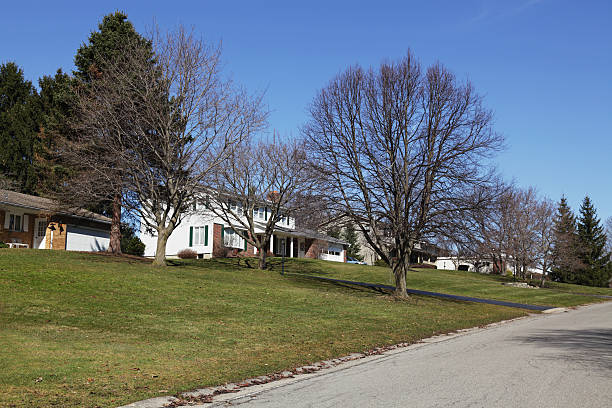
column 46, row 204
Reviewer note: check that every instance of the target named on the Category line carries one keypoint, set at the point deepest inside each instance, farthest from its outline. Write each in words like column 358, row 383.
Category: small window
column 199, row 236
column 42, row 228
column 15, row 222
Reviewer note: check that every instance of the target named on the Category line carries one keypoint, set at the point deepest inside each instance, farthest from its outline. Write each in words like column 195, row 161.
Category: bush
column 187, row 254
column 133, row 246
column 423, row 266
column 380, row 262
column 3, row 245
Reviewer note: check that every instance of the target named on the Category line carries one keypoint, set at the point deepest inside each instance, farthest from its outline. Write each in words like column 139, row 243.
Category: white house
column 210, row 236
column 28, row 221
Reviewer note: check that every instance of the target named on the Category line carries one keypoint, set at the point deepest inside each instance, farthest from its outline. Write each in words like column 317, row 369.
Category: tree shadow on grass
column 592, row 348
column 301, row 266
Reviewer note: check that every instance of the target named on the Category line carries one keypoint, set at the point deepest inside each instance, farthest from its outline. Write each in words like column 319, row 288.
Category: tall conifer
column 592, row 239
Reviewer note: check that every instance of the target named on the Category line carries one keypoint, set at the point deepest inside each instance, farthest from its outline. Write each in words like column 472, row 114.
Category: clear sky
column 544, row 66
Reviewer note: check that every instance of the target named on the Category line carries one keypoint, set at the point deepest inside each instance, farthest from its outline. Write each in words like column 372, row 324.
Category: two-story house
column 210, row 236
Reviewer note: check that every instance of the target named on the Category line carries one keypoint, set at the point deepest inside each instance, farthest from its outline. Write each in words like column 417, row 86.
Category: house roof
column 46, row 204
column 306, row 233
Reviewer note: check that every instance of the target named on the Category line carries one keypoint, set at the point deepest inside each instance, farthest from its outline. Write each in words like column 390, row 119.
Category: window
column 259, row 213
column 15, row 222
column 231, row 239
column 42, row 228
column 199, row 236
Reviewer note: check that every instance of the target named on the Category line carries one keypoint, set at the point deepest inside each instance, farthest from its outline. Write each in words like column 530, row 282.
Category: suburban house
column 423, row 253
column 210, row 236
column 483, row 264
column 35, row 222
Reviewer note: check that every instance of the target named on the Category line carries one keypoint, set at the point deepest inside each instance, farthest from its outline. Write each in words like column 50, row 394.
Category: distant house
column 211, row 237
column 483, row 264
column 423, row 253
column 35, row 222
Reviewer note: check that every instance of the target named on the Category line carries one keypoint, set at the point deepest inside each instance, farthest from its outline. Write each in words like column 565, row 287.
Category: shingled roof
column 46, row 204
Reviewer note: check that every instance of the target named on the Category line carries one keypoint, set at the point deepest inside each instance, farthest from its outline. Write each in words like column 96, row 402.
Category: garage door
column 86, row 239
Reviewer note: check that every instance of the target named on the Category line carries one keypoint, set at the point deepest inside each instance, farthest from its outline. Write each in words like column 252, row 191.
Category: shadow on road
column 591, row 348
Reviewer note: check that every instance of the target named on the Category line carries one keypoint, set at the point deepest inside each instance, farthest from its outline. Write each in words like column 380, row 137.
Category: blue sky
column 544, row 66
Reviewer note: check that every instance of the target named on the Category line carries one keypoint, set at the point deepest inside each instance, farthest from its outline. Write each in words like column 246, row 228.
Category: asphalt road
column 557, row 360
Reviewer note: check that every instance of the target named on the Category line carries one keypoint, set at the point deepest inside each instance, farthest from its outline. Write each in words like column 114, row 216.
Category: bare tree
column 523, row 230
column 495, row 222
column 608, row 226
column 545, row 236
column 163, row 126
column 258, row 187
column 400, row 150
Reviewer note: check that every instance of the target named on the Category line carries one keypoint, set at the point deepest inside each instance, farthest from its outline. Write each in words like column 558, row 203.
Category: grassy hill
column 92, row 330
column 454, row 282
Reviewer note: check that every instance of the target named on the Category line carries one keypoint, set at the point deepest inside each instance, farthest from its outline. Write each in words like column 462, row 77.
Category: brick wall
column 26, row 237
column 314, row 247
column 220, row 251
column 218, row 248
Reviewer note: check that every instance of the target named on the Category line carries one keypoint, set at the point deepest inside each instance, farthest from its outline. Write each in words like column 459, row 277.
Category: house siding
column 180, row 239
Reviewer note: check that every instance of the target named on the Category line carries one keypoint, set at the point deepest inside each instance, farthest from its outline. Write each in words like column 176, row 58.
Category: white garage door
column 86, row 239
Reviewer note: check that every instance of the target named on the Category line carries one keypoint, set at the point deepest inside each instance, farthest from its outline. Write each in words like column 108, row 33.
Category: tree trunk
column 544, row 267
column 114, row 245
column 263, row 253
column 160, row 253
column 400, row 266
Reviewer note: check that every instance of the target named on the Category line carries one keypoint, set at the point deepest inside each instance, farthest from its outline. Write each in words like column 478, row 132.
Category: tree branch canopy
column 400, row 148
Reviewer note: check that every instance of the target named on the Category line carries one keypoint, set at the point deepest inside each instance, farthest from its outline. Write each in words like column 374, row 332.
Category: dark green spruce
column 592, row 238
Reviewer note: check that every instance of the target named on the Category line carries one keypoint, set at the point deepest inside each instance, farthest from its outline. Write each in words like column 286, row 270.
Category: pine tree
column 334, row 232
column 19, row 126
column 592, row 239
column 566, row 262
column 350, row 236
column 57, row 100
column 91, row 59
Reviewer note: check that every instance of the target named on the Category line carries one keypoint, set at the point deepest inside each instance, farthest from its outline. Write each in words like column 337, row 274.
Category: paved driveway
column 558, row 360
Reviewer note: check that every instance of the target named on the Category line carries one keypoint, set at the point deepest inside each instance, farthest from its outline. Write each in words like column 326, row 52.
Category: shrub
column 3, row 245
column 424, row 266
column 133, row 246
column 187, row 254
column 380, row 262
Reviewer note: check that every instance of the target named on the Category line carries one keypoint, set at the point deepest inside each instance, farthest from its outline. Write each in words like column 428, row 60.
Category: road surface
column 557, row 360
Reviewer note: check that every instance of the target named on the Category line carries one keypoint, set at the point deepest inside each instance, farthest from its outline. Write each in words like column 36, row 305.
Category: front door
column 40, row 229
column 302, row 250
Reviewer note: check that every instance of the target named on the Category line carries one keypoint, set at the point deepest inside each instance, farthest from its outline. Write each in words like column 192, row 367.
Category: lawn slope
column 90, row 330
column 452, row 282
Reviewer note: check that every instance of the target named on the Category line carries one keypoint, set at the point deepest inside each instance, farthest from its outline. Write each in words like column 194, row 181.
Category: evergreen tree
column 592, row 239
column 350, row 236
column 566, row 261
column 334, row 232
column 19, row 126
column 114, row 31
column 57, row 100
column 104, row 46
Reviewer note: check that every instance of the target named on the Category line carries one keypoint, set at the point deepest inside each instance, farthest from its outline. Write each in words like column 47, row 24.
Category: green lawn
column 91, row 330
column 453, row 282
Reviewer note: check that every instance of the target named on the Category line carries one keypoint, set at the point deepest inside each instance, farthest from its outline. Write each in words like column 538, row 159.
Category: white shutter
column 25, row 223
column 6, row 220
